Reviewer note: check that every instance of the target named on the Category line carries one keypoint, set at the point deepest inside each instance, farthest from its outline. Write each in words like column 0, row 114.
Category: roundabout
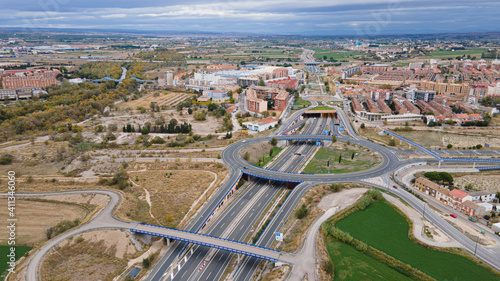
column 231, row 156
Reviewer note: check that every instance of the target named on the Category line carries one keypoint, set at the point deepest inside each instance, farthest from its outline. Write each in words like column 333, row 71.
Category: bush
column 336, row 187
column 61, row 227
column 328, row 267
column 6, row 159
column 375, row 195
column 301, row 212
column 449, row 146
column 392, row 142
column 362, row 125
column 246, row 156
column 274, row 141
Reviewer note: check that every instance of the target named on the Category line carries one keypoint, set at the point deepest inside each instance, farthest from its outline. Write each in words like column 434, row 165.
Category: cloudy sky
column 328, row 17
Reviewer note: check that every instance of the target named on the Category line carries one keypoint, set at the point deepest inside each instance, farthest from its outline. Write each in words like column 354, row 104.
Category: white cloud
column 113, row 16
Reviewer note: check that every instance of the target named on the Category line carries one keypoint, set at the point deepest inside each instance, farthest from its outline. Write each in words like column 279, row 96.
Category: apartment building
column 411, row 107
column 30, row 80
column 400, row 108
column 446, row 88
column 383, row 106
column 372, row 106
column 356, row 105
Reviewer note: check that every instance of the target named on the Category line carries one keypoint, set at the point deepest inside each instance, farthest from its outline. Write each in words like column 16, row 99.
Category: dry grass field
column 164, row 193
column 34, row 218
column 167, row 99
column 480, row 182
column 94, row 255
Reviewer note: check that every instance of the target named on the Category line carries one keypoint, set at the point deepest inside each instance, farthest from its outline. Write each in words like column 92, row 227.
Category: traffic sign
column 341, row 125
column 341, row 129
column 279, row 236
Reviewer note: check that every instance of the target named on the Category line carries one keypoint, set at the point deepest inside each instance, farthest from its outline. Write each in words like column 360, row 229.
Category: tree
column 479, row 146
column 340, row 158
column 212, row 107
column 146, row 263
column 449, row 146
column 334, row 138
column 362, row 125
column 261, row 83
column 392, row 142
column 246, row 156
column 190, row 111
column 271, row 152
column 274, row 141
column 352, row 156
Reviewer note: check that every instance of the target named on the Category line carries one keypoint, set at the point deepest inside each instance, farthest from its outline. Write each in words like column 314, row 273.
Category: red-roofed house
column 461, row 117
column 472, row 209
column 459, row 197
column 476, row 117
column 231, row 109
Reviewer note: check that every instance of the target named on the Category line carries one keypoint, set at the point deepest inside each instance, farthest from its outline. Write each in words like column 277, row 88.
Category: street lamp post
column 475, row 249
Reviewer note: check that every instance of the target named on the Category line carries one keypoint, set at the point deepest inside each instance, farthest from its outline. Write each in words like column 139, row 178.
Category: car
column 395, row 187
column 244, row 141
column 453, row 215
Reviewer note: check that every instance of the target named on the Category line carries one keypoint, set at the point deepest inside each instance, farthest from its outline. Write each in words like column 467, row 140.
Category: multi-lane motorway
column 240, row 218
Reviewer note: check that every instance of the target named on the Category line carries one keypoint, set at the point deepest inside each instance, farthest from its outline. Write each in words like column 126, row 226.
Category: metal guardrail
column 497, row 167
column 210, row 236
column 206, row 244
column 439, row 157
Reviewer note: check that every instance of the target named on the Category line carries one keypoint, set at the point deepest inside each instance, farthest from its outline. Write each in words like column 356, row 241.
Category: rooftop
column 458, row 193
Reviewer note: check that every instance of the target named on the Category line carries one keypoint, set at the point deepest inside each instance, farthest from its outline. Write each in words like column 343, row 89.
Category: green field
column 382, row 227
column 351, row 264
column 4, row 251
column 268, row 158
column 364, row 160
column 323, row 108
column 443, row 54
column 320, row 53
column 301, row 102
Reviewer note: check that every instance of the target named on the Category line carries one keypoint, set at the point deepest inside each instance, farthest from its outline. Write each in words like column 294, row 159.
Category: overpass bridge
column 213, row 242
column 445, row 159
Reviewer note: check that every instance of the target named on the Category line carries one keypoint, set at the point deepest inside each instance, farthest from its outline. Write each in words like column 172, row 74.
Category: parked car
column 395, row 187
column 453, row 215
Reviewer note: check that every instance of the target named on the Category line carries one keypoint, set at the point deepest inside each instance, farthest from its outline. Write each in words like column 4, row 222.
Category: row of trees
column 170, row 128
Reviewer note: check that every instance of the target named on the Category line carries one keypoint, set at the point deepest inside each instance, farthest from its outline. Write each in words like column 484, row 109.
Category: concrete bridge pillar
column 410, row 145
column 168, row 241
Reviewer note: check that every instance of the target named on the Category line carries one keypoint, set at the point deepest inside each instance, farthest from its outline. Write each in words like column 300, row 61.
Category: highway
column 216, row 265
column 246, row 209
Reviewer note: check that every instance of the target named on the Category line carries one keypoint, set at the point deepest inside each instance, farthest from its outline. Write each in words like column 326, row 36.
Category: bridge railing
column 497, row 167
column 206, row 244
column 210, row 236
